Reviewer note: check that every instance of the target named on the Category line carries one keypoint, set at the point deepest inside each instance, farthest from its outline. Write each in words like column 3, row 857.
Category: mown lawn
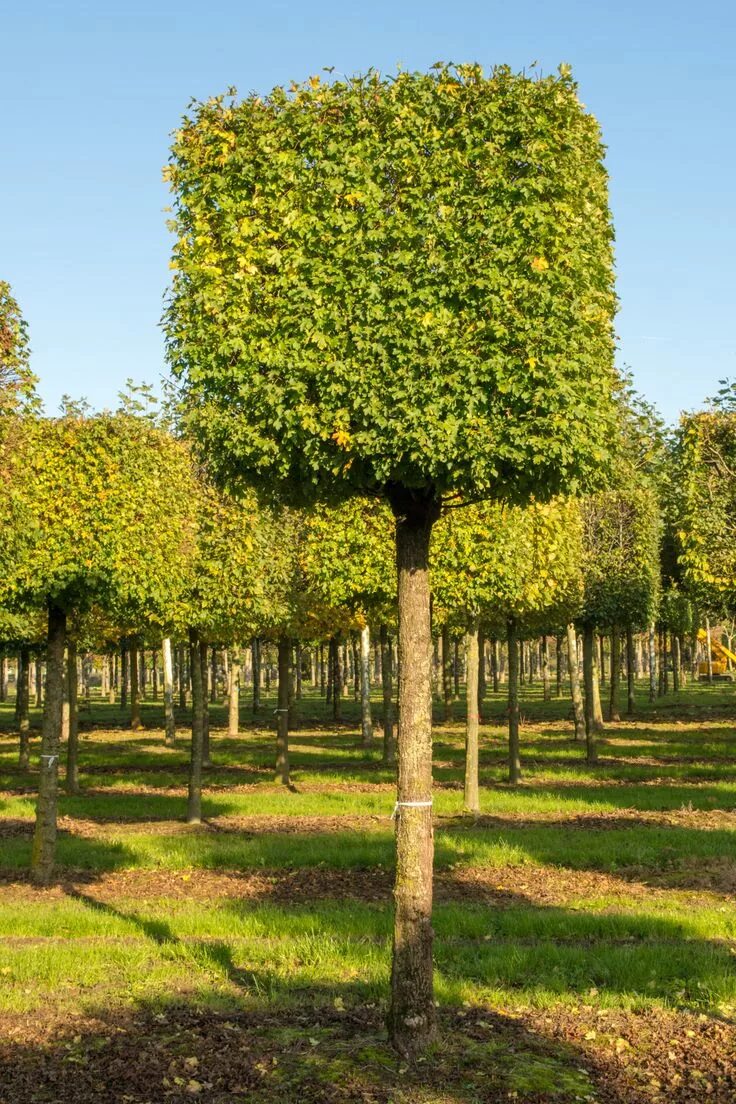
column 585, row 922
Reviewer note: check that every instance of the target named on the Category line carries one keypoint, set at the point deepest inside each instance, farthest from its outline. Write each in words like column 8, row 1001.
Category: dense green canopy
column 396, row 281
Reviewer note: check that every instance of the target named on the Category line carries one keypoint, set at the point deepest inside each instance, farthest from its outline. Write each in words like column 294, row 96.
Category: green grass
column 606, row 944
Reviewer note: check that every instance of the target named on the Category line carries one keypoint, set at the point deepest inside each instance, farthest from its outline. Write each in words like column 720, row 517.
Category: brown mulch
column 331, row 1055
column 502, row 886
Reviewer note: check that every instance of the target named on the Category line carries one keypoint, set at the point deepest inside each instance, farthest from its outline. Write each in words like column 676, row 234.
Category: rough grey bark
column 168, row 672
column 387, row 680
column 472, row 796
column 513, row 705
column 22, row 706
column 575, row 692
column 71, row 780
column 44, row 835
column 233, row 710
column 194, row 803
column 282, row 712
column 365, row 687
column 411, row 1019
column 613, row 710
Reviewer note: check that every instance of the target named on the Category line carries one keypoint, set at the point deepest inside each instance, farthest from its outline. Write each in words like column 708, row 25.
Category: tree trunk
column 558, row 666
column 3, row 679
column 22, row 706
column 206, row 760
column 71, row 780
column 338, row 672
column 135, row 699
column 44, row 835
column 154, row 675
column 183, row 678
column 675, row 663
column 124, row 658
column 602, row 666
column 598, row 725
column 256, row 662
column 456, row 669
column 472, row 797
column 613, row 711
column 282, row 713
column 494, row 664
column 575, row 693
column 514, row 670
column 389, row 742
column 547, row 689
column 39, row 682
column 630, row 672
column 233, row 711
column 365, row 687
column 652, row 664
column 481, row 674
column 446, row 675
column 590, row 679
column 194, row 804
column 411, row 1019
column 169, row 721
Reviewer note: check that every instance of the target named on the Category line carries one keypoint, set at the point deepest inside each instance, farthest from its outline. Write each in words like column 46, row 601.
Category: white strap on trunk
column 410, row 805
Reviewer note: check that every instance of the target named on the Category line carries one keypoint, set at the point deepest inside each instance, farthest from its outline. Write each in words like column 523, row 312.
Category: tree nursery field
column 585, row 920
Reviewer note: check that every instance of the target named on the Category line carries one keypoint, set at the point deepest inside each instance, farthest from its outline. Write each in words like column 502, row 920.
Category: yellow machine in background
column 720, row 656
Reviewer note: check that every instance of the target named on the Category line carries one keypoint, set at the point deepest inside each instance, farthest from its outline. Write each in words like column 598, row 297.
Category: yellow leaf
column 540, row 264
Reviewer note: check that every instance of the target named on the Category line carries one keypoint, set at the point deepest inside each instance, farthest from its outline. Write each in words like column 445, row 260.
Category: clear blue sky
column 90, row 92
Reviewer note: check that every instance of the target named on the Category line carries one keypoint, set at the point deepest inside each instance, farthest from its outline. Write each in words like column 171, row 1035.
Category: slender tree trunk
column 338, row 672
column 602, row 668
column 630, row 672
column 365, row 687
column 472, row 796
column 3, row 679
column 183, row 678
column 22, row 707
column 169, row 721
column 652, row 664
column 613, row 710
column 675, row 662
column 203, row 653
column 590, row 679
column 282, row 713
column 256, row 662
column 135, row 699
column 39, row 682
column 194, row 805
column 44, row 836
column 456, row 669
column 494, row 664
column 411, row 1019
column 322, row 671
column 124, row 663
column 598, row 725
column 558, row 666
column 233, row 711
column 547, row 689
column 481, row 674
column 575, row 692
column 446, row 673
column 513, row 689
column 71, row 780
column 389, row 742
column 154, row 675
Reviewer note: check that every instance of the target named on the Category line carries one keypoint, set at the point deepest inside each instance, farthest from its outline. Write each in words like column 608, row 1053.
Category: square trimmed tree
column 397, row 285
